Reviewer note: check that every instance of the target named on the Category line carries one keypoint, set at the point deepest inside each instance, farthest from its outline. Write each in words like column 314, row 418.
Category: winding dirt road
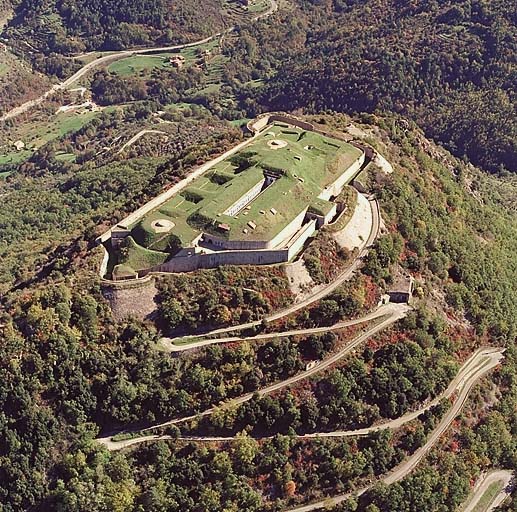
column 139, row 135
column 403, row 469
column 108, row 59
column 346, row 275
column 480, row 362
column 386, row 309
column 483, row 483
column 322, row 365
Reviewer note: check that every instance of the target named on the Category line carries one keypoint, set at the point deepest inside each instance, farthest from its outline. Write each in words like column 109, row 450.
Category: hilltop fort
column 258, row 203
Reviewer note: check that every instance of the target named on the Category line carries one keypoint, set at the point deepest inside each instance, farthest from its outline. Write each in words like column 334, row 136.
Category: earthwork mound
column 162, row 226
column 277, row 144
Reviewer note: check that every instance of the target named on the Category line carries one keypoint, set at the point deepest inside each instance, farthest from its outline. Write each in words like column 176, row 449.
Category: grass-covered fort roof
column 303, row 163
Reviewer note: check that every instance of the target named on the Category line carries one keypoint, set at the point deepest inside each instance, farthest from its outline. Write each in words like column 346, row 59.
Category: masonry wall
column 249, row 245
column 297, row 244
column 214, row 260
column 243, row 245
column 335, row 188
column 245, row 199
column 288, row 231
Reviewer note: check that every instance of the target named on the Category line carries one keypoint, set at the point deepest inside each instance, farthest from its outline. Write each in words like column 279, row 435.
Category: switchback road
column 403, row 469
column 346, row 275
column 322, row 365
column 475, row 366
column 484, row 482
column 383, row 310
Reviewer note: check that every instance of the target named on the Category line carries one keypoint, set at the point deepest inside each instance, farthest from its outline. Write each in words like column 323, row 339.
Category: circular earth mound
column 162, row 225
column 277, row 144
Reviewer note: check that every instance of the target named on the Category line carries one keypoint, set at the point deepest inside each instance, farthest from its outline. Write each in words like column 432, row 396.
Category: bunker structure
column 257, row 204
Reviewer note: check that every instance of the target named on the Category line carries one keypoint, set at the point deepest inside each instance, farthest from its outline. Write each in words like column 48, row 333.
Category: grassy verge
column 348, row 196
column 488, row 497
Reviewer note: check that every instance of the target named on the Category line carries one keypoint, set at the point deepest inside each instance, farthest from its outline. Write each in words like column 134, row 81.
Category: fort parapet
column 233, row 239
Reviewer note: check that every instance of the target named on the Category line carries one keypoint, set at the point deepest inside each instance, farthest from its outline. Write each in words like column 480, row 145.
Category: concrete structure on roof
column 257, row 205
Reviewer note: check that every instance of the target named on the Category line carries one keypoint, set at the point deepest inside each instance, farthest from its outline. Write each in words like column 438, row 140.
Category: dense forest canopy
column 73, row 26
column 71, row 368
column 450, row 66
column 446, row 222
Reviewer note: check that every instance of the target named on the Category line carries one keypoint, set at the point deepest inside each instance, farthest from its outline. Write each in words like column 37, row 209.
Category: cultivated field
column 36, row 133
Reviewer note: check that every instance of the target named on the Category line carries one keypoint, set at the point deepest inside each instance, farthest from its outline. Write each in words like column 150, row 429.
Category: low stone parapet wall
column 296, row 245
column 334, row 189
column 216, row 259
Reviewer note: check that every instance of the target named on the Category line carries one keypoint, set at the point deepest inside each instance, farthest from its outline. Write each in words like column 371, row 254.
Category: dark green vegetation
column 448, row 65
column 68, row 369
column 52, row 209
column 84, row 25
column 443, row 482
column 71, row 369
column 227, row 295
column 386, row 383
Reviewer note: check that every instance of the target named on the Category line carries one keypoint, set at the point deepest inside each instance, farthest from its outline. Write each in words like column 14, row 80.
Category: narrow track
column 383, row 310
column 322, row 365
column 138, row 136
column 16, row 111
column 408, row 465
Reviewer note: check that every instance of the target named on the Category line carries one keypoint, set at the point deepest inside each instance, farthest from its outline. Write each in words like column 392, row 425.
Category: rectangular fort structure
column 256, row 204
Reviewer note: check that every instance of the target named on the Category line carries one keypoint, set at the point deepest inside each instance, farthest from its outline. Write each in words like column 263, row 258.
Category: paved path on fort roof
column 483, row 483
column 346, row 275
column 322, row 365
column 108, row 59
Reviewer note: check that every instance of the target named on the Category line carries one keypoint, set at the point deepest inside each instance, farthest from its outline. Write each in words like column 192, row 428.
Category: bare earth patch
column 277, row 144
column 300, row 281
column 356, row 232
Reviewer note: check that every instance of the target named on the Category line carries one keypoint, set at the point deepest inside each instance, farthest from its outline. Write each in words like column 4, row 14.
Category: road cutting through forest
column 344, row 276
column 492, row 358
column 348, row 348
column 108, row 59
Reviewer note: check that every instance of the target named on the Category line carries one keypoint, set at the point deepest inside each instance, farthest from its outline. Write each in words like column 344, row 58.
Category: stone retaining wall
column 216, row 259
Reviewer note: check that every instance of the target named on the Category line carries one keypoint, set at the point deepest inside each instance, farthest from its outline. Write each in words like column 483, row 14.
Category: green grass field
column 138, row 63
column 304, row 166
column 145, row 63
column 140, row 258
column 38, row 133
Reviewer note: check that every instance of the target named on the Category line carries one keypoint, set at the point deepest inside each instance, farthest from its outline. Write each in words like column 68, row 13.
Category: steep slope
column 448, row 65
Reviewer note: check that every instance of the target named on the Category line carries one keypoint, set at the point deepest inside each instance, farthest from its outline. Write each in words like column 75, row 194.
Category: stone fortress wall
column 238, row 257
column 281, row 249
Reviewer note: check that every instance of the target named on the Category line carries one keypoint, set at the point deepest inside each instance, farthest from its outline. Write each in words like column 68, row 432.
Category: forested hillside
column 71, row 369
column 389, row 73
column 449, row 65
column 75, row 26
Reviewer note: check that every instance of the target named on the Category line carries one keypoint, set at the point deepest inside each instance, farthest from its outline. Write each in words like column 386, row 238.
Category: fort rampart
column 282, row 248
